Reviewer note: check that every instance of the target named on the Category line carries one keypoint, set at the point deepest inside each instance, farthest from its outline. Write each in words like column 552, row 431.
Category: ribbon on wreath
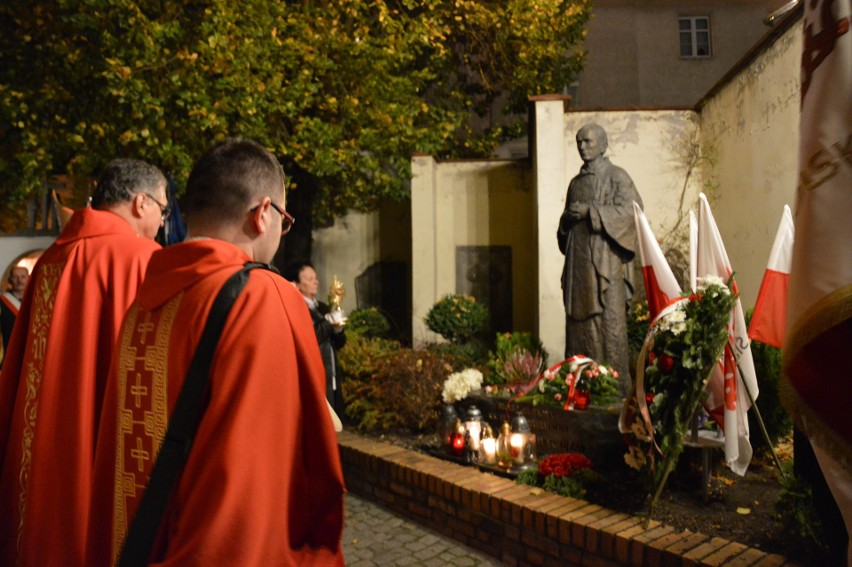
column 626, row 418
column 582, row 361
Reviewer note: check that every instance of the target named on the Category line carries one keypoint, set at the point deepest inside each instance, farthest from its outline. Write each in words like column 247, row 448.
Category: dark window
column 694, row 36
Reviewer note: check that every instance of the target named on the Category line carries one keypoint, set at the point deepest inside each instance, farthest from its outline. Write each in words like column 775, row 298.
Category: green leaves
column 343, row 92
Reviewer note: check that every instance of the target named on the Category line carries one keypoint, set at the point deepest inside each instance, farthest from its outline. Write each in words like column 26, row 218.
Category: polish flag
column 661, row 287
column 712, row 259
column 769, row 321
column 693, row 250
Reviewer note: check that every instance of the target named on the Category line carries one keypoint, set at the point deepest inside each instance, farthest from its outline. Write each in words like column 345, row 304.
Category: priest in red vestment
column 262, row 484
column 54, row 373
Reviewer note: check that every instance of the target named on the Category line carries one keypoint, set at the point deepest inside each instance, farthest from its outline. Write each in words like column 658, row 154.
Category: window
column 694, row 36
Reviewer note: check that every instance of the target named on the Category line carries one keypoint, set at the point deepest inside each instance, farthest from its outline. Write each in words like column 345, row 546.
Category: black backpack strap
column 183, row 424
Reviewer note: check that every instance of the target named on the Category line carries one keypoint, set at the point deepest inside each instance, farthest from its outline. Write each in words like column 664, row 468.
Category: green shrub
column 402, row 392
column 457, row 318
column 638, row 323
column 363, row 356
column 767, row 367
column 795, row 509
column 369, row 322
column 471, row 354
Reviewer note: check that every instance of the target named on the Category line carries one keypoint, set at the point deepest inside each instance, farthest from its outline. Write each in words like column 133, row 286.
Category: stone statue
column 597, row 235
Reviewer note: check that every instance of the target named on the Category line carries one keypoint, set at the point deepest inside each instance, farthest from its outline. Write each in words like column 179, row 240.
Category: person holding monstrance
column 329, row 321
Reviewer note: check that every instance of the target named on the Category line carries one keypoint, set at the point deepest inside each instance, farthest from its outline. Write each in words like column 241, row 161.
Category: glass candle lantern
column 517, row 442
column 488, row 447
column 582, row 397
column 504, row 453
column 458, row 443
column 447, row 427
column 473, row 426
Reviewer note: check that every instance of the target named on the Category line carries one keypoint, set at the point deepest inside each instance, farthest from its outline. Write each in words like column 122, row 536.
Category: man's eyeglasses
column 287, row 220
column 165, row 210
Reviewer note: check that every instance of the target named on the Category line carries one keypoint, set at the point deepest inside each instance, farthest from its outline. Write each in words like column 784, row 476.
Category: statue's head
column 591, row 142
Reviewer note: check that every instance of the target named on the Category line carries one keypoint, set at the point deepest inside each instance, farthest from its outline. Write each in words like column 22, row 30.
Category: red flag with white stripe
column 769, row 321
column 712, row 259
column 661, row 287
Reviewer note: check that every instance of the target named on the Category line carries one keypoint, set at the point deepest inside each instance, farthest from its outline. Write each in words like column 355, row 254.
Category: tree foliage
column 343, row 92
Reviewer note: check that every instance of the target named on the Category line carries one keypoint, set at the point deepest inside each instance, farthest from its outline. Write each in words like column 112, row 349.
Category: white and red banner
column 817, row 369
column 661, row 287
column 769, row 320
column 693, row 250
column 712, row 259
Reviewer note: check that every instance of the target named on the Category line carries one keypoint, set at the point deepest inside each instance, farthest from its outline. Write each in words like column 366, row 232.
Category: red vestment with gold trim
column 263, row 484
column 52, row 384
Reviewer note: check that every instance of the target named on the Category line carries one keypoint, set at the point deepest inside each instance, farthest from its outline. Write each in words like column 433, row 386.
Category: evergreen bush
column 767, row 367
column 458, row 318
column 369, row 322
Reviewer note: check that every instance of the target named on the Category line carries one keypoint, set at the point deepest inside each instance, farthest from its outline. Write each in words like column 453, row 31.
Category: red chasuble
column 263, row 484
column 52, row 384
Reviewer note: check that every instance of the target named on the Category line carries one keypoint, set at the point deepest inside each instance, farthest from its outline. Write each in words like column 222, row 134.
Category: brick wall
column 520, row 525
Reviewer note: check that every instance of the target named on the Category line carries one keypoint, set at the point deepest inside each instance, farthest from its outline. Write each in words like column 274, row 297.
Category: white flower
column 713, row 281
column 459, row 385
column 677, row 316
column 678, row 328
column 603, row 370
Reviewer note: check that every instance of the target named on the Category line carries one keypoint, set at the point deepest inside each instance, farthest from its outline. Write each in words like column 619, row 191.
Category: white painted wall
column 345, row 250
column 469, row 203
column 13, row 246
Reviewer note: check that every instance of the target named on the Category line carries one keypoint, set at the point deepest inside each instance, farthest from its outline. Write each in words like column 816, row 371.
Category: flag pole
column 757, row 412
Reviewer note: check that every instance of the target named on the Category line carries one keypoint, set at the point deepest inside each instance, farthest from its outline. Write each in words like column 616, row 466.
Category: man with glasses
column 262, row 483
column 54, row 373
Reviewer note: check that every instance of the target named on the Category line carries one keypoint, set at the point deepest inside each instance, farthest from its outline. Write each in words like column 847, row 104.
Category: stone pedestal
column 593, row 432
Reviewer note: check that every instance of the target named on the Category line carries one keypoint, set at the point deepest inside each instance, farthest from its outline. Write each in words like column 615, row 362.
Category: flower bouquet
column 573, row 383
column 459, row 385
column 567, row 474
column 680, row 350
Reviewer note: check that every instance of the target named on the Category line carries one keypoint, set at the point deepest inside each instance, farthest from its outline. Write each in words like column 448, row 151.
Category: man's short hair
column 294, row 270
column 122, row 179
column 230, row 178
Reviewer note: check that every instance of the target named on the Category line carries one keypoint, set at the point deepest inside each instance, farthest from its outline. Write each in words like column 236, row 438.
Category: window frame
column 694, row 32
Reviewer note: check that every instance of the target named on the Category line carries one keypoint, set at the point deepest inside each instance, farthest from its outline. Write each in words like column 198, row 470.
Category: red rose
column 666, row 363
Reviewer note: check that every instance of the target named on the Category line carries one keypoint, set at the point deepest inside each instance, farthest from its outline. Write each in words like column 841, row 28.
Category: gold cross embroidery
column 137, row 390
column 145, row 327
column 140, row 454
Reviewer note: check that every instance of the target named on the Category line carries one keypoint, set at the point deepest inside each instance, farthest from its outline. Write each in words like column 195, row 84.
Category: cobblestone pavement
column 373, row 536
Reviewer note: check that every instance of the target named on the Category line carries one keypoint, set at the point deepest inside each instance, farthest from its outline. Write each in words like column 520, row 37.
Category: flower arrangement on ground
column 566, row 382
column 683, row 344
column 459, row 385
column 568, row 474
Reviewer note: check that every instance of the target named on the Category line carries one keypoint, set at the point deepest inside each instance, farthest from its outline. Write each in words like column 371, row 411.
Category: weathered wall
column 469, row 203
column 634, row 51
column 750, row 137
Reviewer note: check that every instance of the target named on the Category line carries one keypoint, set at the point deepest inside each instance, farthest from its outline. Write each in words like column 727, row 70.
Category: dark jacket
column 329, row 343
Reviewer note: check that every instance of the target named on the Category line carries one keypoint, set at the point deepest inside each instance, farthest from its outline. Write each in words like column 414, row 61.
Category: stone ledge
column 519, row 527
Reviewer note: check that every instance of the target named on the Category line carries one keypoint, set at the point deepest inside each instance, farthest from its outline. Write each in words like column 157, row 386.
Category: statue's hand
column 578, row 211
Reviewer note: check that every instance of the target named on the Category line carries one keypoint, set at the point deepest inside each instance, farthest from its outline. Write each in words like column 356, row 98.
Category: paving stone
column 375, row 537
